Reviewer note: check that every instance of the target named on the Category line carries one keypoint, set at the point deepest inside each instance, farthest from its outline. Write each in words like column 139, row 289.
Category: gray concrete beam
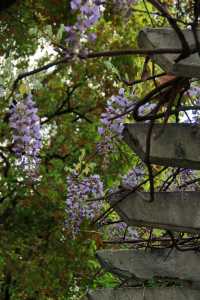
column 155, row 263
column 170, row 293
column 170, row 210
column 153, row 38
column 177, row 146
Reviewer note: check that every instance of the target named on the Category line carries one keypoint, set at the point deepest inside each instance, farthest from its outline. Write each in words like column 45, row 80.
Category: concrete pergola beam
column 178, row 211
column 177, row 146
column 153, row 263
column 170, row 293
column 153, row 38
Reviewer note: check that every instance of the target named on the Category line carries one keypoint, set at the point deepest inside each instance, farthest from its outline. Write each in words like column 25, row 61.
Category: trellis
column 171, row 145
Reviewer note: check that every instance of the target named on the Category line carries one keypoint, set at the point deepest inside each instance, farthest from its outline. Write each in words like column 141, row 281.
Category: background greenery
column 39, row 258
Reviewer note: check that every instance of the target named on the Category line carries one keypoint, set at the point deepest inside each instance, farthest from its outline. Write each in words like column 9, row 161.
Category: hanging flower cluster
column 132, row 178
column 121, row 231
column 116, row 112
column 25, row 124
column 79, row 192
column 88, row 14
column 113, row 121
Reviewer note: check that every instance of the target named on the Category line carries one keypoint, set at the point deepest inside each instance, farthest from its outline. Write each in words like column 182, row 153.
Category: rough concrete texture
column 171, row 293
column 153, row 38
column 177, row 146
column 155, row 263
column 170, row 210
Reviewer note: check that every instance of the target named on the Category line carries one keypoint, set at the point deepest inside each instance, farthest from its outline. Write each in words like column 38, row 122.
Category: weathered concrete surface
column 177, row 146
column 159, row 263
column 172, row 293
column 166, row 38
column 170, row 210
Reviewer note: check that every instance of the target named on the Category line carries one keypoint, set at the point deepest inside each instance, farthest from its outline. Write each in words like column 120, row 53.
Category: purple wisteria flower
column 112, row 120
column 118, row 107
column 78, row 206
column 88, row 13
column 121, row 231
column 194, row 91
column 133, row 178
column 146, row 108
column 25, row 124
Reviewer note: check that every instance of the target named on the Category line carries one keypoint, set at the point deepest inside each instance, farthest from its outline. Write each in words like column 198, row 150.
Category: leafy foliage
column 40, row 258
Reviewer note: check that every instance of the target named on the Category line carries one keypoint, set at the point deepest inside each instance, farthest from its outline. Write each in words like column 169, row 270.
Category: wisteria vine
column 25, row 124
column 88, row 14
column 79, row 191
column 112, row 121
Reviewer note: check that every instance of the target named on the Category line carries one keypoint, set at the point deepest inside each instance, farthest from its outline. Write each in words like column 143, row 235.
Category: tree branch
column 111, row 53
